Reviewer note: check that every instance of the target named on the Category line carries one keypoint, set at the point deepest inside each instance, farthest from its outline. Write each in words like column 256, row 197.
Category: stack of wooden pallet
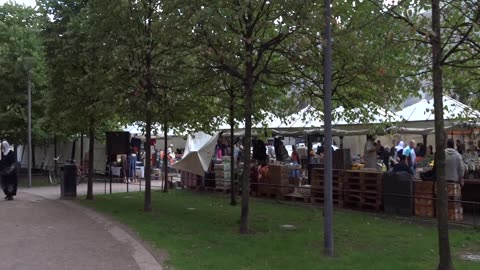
column 222, row 176
column 424, row 198
column 455, row 209
column 362, row 189
column 189, row 180
column 317, row 187
column 277, row 182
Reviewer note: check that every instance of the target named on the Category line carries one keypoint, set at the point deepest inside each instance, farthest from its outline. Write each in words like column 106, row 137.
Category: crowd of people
column 401, row 157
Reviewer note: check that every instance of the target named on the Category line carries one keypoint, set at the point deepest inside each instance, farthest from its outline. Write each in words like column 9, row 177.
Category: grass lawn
column 207, row 238
column 37, row 181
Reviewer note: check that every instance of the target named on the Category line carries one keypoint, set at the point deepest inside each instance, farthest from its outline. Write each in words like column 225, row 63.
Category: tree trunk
column 147, row 207
column 91, row 156
column 445, row 262
column 327, row 54
column 81, row 150
column 248, row 88
column 165, row 160
column 233, row 198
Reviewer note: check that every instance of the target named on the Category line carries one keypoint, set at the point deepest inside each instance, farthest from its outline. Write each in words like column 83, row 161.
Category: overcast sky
column 26, row 2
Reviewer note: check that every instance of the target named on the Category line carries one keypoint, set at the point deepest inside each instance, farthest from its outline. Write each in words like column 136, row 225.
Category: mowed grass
column 206, row 237
column 37, row 181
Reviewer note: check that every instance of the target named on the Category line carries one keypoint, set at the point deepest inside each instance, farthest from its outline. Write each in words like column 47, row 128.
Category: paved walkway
column 53, row 192
column 41, row 233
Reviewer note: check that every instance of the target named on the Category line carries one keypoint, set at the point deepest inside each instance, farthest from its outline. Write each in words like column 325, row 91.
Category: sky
column 26, row 2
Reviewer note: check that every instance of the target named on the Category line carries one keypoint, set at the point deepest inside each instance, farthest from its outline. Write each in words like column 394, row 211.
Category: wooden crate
column 424, row 201
column 454, row 190
column 425, row 210
column 278, row 175
column 455, row 214
column 425, row 187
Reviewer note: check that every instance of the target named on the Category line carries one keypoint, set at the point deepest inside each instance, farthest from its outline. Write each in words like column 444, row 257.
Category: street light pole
column 28, row 61
column 29, row 128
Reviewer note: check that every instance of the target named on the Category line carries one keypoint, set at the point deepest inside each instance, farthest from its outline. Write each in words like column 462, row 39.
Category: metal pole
column 29, row 128
column 327, row 103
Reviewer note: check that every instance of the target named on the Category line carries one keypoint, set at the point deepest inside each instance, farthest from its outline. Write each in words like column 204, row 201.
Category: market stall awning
column 412, row 131
column 424, row 111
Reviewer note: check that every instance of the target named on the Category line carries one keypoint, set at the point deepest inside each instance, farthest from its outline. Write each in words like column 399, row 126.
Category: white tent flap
column 198, row 153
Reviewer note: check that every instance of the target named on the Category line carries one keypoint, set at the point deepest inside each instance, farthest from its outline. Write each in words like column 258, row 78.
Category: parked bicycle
column 82, row 174
column 54, row 174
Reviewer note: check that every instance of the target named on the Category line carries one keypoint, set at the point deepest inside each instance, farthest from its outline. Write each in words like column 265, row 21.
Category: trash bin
column 69, row 183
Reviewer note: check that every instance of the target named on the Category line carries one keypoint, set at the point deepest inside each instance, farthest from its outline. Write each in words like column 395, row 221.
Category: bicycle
column 82, row 174
column 54, row 176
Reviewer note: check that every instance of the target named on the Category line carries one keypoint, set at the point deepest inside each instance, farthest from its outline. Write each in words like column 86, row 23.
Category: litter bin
column 69, row 183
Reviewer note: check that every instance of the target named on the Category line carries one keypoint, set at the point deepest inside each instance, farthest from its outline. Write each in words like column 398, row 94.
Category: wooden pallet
column 222, row 189
column 210, row 189
column 362, row 189
column 318, row 178
column 193, row 187
column 321, row 200
column 362, row 205
column 267, row 195
column 296, row 198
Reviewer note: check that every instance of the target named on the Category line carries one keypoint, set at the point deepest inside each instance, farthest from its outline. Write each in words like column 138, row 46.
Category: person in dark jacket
column 259, row 151
column 8, row 171
column 402, row 166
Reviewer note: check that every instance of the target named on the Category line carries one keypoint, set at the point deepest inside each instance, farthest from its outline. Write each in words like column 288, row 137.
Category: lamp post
column 28, row 62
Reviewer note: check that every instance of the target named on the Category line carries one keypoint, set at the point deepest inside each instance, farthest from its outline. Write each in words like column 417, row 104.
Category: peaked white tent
column 308, row 117
column 423, row 111
column 198, row 153
column 375, row 115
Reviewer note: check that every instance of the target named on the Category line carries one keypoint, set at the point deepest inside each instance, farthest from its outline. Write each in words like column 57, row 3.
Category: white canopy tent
column 198, row 153
column 379, row 115
column 136, row 129
column 424, row 111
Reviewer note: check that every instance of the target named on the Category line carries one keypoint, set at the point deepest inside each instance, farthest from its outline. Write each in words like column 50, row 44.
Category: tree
column 245, row 50
column 82, row 98
column 442, row 192
column 150, row 63
column 327, row 75
column 455, row 20
column 371, row 64
column 20, row 27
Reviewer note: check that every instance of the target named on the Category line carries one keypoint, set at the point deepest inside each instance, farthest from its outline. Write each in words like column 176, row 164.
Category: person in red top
column 295, row 158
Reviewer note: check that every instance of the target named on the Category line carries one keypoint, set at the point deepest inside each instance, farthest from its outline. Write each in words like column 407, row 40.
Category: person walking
column 454, row 166
column 370, row 153
column 409, row 152
column 8, row 171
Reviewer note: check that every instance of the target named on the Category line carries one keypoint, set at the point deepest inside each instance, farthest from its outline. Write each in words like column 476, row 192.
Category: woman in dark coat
column 8, row 171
